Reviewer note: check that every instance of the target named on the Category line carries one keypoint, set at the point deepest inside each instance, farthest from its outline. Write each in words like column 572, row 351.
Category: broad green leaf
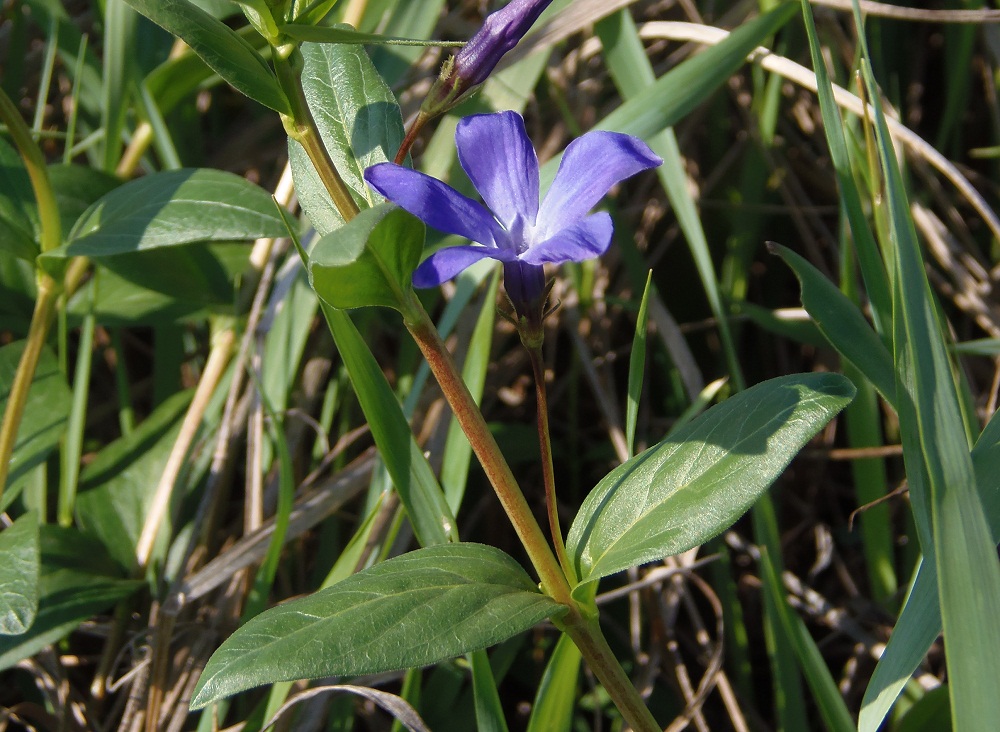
column 368, row 261
column 19, row 548
column 832, row 708
column 358, row 120
column 842, row 324
column 76, row 188
column 222, row 49
column 77, row 581
column 701, row 479
column 413, row 610
column 45, row 412
column 170, row 209
column 201, row 274
column 19, row 227
column 116, row 488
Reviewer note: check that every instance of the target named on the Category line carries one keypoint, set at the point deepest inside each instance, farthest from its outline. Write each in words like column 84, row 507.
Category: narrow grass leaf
column 872, row 267
column 416, row 609
column 832, row 708
column 919, row 622
column 229, row 55
column 700, row 480
column 19, row 547
column 555, row 700
column 842, row 324
column 636, row 368
column 347, row 34
column 489, row 711
column 432, row 520
column 965, row 554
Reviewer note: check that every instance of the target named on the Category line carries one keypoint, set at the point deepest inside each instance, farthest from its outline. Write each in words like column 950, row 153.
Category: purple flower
column 497, row 155
column 473, row 64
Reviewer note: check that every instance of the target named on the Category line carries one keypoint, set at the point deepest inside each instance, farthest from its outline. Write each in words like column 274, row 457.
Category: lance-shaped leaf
column 368, row 261
column 416, row 609
column 699, row 481
column 219, row 46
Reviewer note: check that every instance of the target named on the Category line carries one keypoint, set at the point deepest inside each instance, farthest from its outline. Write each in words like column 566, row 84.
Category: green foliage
column 416, row 609
column 45, row 413
column 369, row 261
column 701, row 479
column 229, row 55
column 19, row 575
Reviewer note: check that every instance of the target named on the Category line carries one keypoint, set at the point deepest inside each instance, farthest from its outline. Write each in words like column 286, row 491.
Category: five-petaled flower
column 497, row 155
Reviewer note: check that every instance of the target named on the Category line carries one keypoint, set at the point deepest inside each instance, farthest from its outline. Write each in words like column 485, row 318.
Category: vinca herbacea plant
column 349, row 503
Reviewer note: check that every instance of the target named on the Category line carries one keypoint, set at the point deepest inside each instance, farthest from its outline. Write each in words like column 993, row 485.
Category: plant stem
column 301, row 127
column 548, row 472
column 471, row 420
column 586, row 634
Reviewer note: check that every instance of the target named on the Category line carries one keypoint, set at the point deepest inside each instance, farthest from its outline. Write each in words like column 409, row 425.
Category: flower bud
column 472, row 65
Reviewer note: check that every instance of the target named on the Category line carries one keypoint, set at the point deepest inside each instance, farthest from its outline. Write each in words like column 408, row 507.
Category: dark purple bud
column 525, row 286
column 472, row 65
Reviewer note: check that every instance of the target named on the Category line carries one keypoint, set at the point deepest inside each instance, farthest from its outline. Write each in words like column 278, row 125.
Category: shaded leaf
column 700, row 480
column 19, row 227
column 170, row 209
column 19, row 548
column 116, row 488
column 413, row 610
column 71, row 590
column 222, row 49
column 45, row 412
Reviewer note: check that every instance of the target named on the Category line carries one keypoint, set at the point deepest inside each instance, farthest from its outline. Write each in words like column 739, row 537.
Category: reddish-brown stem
column 548, row 472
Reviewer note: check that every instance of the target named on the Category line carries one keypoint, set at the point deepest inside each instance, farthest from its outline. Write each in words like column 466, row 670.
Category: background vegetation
column 228, row 333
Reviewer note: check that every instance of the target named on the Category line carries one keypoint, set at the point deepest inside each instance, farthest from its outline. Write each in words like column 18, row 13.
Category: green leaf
column 76, row 188
column 413, row 610
column 555, row 700
column 368, row 261
column 419, row 492
column 347, row 34
column 116, row 488
column 170, row 209
column 700, row 480
column 358, row 120
column 19, row 547
column 77, row 581
column 843, row 325
column 832, row 708
column 222, row 49
column 19, row 227
column 489, row 711
column 935, row 442
column 45, row 412
column 637, row 367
